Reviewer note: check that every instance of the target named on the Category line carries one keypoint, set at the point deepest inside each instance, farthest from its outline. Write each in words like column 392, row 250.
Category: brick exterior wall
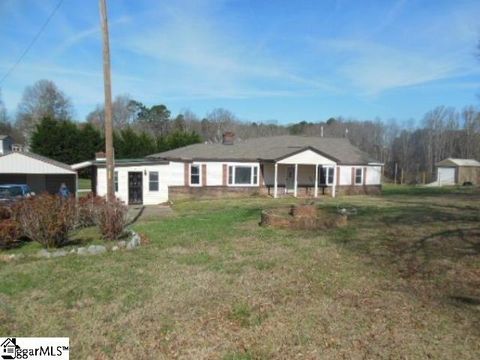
column 182, row 192
column 204, row 175
column 224, row 174
column 186, row 174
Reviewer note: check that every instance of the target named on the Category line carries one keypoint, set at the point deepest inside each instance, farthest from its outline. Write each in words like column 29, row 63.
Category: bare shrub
column 45, row 218
column 5, row 213
column 9, row 233
column 88, row 209
column 112, row 218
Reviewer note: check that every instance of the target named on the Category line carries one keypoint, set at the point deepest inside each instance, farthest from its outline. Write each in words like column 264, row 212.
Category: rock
column 134, row 242
column 122, row 244
column 96, row 249
column 82, row 251
column 59, row 253
column 73, row 251
column 115, row 248
column 44, row 253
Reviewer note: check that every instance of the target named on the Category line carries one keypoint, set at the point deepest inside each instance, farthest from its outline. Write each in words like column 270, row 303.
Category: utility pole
column 108, row 103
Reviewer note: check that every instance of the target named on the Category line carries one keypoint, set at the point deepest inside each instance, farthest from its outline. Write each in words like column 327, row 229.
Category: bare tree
column 43, row 99
column 123, row 114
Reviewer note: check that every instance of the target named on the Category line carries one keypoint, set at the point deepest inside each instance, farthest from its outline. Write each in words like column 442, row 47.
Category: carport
column 40, row 173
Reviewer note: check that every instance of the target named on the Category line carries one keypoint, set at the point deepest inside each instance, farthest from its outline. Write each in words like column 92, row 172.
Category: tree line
column 408, row 150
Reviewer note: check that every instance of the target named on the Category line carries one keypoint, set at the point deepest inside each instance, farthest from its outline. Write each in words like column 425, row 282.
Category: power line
column 35, row 38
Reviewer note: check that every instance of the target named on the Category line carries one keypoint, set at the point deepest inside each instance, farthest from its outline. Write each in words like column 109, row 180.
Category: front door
column 290, row 179
column 135, row 188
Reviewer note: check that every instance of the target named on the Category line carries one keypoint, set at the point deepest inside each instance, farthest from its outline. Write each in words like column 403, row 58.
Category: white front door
column 290, row 179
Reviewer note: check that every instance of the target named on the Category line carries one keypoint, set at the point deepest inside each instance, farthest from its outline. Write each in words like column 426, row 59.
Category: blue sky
column 262, row 59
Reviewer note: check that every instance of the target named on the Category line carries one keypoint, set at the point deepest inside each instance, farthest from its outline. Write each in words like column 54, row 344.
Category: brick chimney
column 100, row 156
column 228, row 138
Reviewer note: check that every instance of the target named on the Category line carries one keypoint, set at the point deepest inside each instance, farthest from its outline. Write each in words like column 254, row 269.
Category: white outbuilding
column 40, row 173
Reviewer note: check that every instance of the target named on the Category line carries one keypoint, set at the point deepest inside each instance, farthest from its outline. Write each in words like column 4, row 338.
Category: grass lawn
column 401, row 281
column 84, row 184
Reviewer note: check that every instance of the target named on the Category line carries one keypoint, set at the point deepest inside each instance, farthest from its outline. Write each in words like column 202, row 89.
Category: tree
column 42, row 100
column 123, row 113
column 155, row 120
column 57, row 139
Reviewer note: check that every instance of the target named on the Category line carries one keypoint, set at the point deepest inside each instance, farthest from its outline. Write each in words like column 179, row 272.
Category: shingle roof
column 458, row 162
column 270, row 149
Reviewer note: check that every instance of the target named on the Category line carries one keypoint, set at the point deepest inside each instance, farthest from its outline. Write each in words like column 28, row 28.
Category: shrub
column 88, row 209
column 5, row 213
column 9, row 233
column 112, row 219
column 45, row 218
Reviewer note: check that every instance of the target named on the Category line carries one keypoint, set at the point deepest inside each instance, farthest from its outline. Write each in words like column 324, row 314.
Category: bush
column 45, row 218
column 9, row 233
column 88, row 210
column 112, row 219
column 5, row 213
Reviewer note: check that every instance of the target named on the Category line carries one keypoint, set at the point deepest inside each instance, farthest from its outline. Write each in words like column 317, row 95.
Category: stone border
column 130, row 244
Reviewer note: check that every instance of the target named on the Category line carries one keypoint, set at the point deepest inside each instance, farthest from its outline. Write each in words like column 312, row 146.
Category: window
column 243, row 175
column 326, row 175
column 358, row 176
column 153, row 181
column 115, row 179
column 195, row 175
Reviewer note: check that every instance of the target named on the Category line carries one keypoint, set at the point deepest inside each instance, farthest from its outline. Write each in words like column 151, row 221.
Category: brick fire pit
column 307, row 217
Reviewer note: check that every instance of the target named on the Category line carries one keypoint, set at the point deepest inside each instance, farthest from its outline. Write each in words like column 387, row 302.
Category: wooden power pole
column 108, row 103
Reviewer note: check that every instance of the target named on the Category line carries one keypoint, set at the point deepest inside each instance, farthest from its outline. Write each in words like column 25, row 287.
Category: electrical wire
column 34, row 40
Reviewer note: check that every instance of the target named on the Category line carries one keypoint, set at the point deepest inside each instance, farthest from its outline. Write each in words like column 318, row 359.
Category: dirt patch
column 307, row 217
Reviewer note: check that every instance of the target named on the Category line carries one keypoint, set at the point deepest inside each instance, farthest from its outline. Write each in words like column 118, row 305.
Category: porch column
column 334, row 181
column 275, row 182
column 296, row 181
column 315, row 191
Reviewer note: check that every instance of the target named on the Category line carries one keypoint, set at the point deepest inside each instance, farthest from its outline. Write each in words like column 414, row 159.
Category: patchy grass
column 84, row 184
column 401, row 280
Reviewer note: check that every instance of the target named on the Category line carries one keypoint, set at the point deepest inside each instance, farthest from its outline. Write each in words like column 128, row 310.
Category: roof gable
column 458, row 162
column 307, row 155
column 29, row 163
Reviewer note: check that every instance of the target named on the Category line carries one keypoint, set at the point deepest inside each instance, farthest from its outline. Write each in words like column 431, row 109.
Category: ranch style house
column 297, row 166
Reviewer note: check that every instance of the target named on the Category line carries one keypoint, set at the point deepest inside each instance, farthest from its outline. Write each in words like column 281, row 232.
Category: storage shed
column 458, row 172
column 40, row 173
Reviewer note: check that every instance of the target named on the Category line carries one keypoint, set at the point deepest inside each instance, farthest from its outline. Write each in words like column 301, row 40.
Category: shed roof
column 270, row 149
column 16, row 166
column 458, row 162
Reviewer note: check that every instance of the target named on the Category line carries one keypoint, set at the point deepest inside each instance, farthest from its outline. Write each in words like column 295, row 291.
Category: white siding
column 307, row 157
column 18, row 163
column 177, row 170
column 374, row 175
column 149, row 197
column 345, row 175
column 214, row 174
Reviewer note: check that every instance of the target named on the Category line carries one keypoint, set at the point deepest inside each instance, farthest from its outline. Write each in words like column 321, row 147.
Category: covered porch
column 305, row 173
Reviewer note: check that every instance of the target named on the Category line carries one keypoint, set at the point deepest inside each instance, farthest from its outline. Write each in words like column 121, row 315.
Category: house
column 40, row 173
column 6, row 144
column 275, row 166
column 458, row 172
